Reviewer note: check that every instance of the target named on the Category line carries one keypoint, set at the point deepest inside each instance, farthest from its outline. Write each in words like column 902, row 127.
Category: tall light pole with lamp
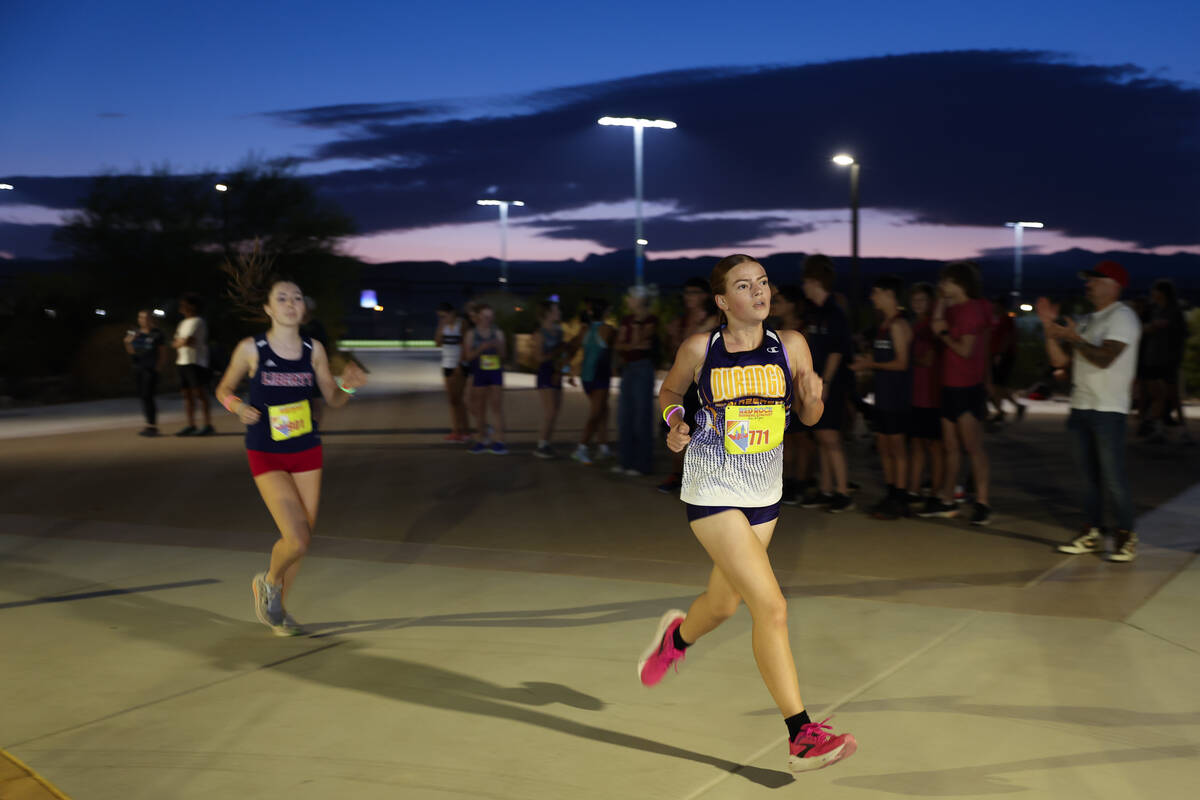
column 503, row 204
column 1018, row 236
column 847, row 160
column 638, row 124
column 224, row 190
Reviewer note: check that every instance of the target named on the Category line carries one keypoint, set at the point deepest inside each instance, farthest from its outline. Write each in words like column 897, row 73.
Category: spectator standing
column 191, row 358
column 147, row 351
column 637, row 344
column 1102, row 352
column 827, row 330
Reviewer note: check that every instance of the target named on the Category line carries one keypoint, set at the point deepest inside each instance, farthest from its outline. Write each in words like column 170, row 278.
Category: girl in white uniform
column 748, row 377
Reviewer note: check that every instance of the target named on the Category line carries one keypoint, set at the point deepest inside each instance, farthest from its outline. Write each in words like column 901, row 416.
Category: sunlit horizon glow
column 885, row 233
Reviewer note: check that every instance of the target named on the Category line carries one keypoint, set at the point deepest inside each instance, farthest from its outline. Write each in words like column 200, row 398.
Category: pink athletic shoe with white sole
column 816, row 746
column 662, row 652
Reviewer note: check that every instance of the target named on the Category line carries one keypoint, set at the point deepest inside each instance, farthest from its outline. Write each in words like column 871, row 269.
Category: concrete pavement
column 477, row 622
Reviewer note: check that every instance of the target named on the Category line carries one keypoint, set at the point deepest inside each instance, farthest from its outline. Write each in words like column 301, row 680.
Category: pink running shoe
column 662, row 652
column 816, row 746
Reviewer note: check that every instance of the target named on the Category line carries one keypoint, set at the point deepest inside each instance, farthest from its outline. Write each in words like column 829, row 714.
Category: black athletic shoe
column 816, row 499
column 207, row 430
column 934, row 507
column 190, row 430
column 840, row 503
column 149, row 430
column 982, row 515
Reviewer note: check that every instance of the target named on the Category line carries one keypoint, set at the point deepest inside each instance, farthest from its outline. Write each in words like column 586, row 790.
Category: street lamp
column 847, row 160
column 6, row 187
column 224, row 190
column 504, row 204
column 638, row 126
column 1018, row 235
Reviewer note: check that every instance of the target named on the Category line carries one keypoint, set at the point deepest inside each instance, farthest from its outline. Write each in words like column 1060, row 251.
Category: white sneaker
column 581, row 455
column 1090, row 541
column 603, row 451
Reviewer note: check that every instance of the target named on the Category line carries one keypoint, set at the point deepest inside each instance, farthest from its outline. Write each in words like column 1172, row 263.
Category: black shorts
column 193, row 376
column 925, row 423
column 834, row 415
column 755, row 516
column 890, row 422
column 1159, row 372
column 959, row 400
column 448, row 372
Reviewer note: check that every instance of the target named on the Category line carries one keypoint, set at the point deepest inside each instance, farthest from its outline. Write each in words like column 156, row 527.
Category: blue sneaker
column 498, row 449
column 477, row 448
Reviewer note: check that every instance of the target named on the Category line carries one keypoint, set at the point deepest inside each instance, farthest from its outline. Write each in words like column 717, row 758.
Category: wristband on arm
column 228, row 402
column 343, row 386
column 669, row 411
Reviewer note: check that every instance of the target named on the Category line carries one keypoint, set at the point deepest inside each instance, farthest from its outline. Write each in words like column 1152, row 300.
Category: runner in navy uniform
column 282, row 442
column 732, row 484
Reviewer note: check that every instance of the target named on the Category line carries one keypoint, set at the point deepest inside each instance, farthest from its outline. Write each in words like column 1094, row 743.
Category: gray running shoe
column 1090, row 541
column 268, row 604
column 289, row 627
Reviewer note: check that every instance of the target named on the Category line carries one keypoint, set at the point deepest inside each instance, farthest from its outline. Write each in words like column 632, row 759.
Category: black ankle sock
column 680, row 644
column 795, row 722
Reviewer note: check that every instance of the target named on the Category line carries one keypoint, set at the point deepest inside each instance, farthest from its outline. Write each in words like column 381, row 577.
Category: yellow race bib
column 489, row 361
column 290, row 420
column 753, row 429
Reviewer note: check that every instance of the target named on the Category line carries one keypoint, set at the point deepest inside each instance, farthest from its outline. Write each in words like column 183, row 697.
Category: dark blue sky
column 120, row 85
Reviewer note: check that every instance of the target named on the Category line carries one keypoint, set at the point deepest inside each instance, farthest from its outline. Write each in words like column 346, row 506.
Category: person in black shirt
column 145, row 348
column 828, row 333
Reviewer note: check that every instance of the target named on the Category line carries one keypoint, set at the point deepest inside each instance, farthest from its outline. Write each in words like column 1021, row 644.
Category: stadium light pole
column 638, row 124
column 1018, row 237
column 503, row 204
column 847, row 160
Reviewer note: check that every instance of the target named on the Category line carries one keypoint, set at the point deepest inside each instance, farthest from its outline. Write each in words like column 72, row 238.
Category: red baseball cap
column 1108, row 269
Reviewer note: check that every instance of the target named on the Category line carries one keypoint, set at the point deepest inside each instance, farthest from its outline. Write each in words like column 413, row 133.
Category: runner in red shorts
column 282, row 441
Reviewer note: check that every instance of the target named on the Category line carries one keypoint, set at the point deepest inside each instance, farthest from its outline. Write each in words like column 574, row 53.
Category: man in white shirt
column 191, row 358
column 1102, row 351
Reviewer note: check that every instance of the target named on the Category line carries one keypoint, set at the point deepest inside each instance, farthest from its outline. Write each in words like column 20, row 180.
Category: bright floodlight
column 1026, row 307
column 4, row 186
column 636, row 122
column 100, row 312
column 1024, row 225
column 158, row 312
column 518, row 202
column 642, row 242
column 220, row 187
column 843, row 159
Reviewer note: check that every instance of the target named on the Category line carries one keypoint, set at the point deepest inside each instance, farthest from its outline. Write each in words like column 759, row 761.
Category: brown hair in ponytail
column 251, row 278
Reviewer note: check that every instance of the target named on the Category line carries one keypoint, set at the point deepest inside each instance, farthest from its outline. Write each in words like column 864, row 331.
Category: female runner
column 748, row 376
column 282, row 442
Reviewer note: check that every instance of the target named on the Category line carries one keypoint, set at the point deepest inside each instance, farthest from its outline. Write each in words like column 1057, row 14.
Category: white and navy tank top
column 735, row 457
column 452, row 337
column 280, row 390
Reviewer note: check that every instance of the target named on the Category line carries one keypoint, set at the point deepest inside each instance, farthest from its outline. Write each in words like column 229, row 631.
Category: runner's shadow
column 240, row 646
column 343, row 666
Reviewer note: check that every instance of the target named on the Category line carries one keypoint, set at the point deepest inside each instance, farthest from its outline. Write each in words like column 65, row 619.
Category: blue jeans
column 635, row 416
column 1098, row 442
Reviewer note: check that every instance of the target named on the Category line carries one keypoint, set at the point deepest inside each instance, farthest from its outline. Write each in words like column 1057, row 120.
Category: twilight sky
column 1083, row 114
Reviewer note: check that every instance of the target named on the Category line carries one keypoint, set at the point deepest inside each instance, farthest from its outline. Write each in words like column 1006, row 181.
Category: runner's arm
column 807, row 388
column 243, row 363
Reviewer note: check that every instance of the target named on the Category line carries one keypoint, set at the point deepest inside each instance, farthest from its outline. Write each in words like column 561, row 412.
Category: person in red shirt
column 1003, row 356
column 962, row 321
column 926, row 421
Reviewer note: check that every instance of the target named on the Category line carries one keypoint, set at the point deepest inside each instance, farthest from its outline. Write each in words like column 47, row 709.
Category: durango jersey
column 280, row 390
column 735, row 456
